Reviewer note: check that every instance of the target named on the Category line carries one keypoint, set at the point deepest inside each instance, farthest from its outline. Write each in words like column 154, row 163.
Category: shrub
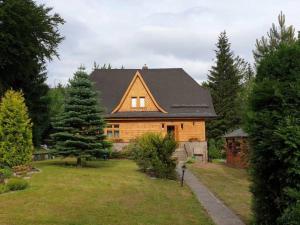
column 191, row 160
column 215, row 148
column 6, row 172
column 123, row 154
column 291, row 215
column 15, row 130
column 15, row 184
column 153, row 154
column 3, row 188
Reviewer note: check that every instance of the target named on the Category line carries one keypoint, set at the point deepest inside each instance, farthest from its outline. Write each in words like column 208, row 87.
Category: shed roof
column 236, row 133
column 173, row 89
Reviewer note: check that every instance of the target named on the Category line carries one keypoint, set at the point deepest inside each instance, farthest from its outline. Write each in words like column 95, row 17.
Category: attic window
column 133, row 102
column 142, row 102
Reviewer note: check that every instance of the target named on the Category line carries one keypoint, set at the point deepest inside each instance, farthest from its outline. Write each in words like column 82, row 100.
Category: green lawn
column 229, row 184
column 107, row 192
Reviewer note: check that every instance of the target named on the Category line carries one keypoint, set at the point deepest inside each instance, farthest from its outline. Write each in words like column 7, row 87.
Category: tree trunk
column 79, row 162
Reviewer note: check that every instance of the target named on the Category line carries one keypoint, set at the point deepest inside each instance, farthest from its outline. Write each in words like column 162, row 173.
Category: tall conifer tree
column 80, row 128
column 276, row 36
column 224, row 84
column 273, row 126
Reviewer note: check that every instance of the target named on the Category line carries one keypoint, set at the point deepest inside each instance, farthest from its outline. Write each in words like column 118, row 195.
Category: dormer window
column 133, row 102
column 142, row 102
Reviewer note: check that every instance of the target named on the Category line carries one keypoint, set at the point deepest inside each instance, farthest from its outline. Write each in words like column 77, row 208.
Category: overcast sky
column 159, row 33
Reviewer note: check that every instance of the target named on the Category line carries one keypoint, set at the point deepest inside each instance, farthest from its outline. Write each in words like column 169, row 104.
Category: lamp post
column 182, row 177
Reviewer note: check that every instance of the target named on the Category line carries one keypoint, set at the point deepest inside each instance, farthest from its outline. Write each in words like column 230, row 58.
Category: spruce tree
column 15, row 131
column 224, row 84
column 273, row 126
column 80, row 128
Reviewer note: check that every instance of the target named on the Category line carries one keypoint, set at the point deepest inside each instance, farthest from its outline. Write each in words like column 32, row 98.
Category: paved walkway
column 220, row 214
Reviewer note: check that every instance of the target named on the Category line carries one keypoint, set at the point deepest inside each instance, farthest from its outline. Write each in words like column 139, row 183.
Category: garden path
column 220, row 214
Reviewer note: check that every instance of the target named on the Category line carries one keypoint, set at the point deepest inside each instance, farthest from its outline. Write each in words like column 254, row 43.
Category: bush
column 15, row 184
column 291, row 215
column 3, row 188
column 125, row 153
column 215, row 148
column 191, row 160
column 6, row 172
column 15, row 130
column 153, row 154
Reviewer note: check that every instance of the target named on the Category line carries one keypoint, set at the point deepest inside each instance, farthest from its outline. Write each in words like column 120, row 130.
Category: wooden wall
column 185, row 130
column 237, row 152
column 138, row 90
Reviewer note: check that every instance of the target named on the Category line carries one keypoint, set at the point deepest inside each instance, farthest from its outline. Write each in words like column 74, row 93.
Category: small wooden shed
column 237, row 148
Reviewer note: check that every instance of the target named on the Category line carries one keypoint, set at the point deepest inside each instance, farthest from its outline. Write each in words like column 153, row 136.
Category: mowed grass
column 107, row 192
column 231, row 185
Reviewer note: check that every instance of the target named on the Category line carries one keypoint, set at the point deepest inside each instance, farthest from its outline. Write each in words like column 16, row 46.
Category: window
column 113, row 130
column 109, row 134
column 133, row 102
column 182, row 126
column 116, row 133
column 142, row 101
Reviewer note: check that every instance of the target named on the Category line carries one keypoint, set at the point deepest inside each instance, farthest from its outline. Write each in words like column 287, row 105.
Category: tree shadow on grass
column 71, row 163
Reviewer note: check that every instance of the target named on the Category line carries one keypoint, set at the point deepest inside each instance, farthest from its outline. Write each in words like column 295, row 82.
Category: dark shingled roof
column 173, row 89
column 236, row 133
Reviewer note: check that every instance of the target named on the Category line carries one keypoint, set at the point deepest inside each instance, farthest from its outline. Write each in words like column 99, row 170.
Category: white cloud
column 160, row 33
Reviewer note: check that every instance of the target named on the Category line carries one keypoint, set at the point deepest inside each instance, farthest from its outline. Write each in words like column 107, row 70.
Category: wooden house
column 237, row 148
column 144, row 100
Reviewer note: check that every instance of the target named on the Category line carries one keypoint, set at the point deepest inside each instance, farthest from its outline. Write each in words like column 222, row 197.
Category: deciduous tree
column 29, row 36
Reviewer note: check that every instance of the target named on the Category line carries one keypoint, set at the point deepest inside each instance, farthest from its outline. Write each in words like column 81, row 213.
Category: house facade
column 144, row 100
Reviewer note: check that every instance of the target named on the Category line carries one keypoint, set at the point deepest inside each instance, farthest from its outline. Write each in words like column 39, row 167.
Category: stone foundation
column 117, row 147
column 183, row 152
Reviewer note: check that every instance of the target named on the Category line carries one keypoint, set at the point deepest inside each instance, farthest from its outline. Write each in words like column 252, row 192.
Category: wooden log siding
column 138, row 89
column 185, row 130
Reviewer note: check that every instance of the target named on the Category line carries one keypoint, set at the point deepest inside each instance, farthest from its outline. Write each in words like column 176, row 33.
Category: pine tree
column 224, row 84
column 15, row 130
column 273, row 126
column 275, row 36
column 80, row 128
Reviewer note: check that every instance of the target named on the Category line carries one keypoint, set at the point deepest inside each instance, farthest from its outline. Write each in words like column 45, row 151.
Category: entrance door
column 171, row 130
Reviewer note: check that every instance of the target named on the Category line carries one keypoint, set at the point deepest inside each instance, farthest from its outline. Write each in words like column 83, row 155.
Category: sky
column 159, row 33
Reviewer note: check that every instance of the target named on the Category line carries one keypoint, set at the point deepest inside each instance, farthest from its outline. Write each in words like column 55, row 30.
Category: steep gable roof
column 173, row 89
column 138, row 78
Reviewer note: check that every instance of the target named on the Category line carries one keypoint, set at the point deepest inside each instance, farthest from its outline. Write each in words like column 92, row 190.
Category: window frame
column 132, row 105
column 113, row 129
column 144, row 102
